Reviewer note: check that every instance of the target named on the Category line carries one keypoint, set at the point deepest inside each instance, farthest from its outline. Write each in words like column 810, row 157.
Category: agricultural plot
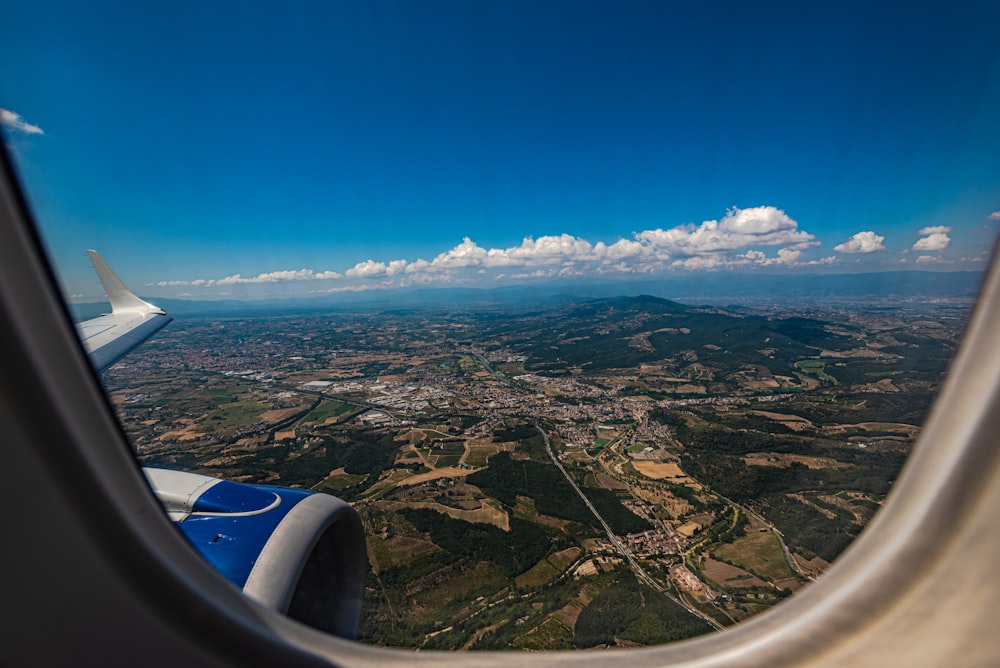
column 387, row 553
column 234, row 414
column 327, row 411
column 727, row 575
column 662, row 471
column 758, row 552
column 487, row 513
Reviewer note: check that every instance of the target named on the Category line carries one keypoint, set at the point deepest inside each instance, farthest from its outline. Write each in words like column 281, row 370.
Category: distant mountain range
column 709, row 287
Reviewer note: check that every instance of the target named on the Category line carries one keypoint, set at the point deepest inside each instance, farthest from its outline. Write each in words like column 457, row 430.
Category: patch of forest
column 621, row 520
column 507, row 478
column 359, row 452
column 735, row 479
column 593, row 337
column 805, row 527
column 629, row 611
column 514, row 551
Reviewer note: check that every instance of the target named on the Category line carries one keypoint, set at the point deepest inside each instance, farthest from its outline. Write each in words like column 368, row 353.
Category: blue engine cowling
column 298, row 552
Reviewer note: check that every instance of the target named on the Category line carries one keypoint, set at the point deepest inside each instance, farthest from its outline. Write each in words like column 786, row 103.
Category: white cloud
column 648, row 250
column 279, row 277
column 620, row 250
column 367, row 269
column 466, row 254
column 739, row 239
column 549, row 250
column 270, row 277
column 419, row 264
column 538, row 273
column 426, row 277
column 928, row 259
column 13, row 122
column 934, row 238
column 349, row 288
column 862, row 242
column 370, row 268
column 619, row 268
column 395, row 267
column 701, row 262
column 934, row 242
column 786, row 256
column 934, row 229
column 739, row 228
column 994, row 216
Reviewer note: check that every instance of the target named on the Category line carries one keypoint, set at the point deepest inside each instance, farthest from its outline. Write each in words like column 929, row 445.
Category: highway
column 636, row 568
column 486, row 365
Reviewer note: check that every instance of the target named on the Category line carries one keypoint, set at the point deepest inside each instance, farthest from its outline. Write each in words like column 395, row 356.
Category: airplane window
column 614, row 326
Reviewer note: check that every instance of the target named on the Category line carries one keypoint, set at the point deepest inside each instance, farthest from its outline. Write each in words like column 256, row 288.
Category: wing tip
column 121, row 297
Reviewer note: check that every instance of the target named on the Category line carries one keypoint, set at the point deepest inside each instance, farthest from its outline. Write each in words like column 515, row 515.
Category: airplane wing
column 298, row 552
column 110, row 337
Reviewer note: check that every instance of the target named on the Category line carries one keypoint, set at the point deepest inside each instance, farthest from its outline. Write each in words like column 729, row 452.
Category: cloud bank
column 763, row 236
column 271, row 277
column 735, row 240
column 713, row 243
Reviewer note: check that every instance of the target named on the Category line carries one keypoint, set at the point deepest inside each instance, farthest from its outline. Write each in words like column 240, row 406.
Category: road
column 636, row 568
column 486, row 365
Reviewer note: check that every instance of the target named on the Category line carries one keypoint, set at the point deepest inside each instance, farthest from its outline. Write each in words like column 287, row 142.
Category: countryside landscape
column 582, row 473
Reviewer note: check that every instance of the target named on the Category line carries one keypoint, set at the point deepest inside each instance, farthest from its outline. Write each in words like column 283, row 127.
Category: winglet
column 122, row 299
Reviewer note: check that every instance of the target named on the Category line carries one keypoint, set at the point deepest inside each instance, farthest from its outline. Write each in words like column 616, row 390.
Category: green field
column 631, row 611
column 450, row 596
column 758, row 552
column 339, row 482
column 384, row 554
column 448, row 448
column 448, row 460
column 881, row 374
column 478, row 456
column 537, row 575
column 815, row 368
column 236, row 414
column 325, row 410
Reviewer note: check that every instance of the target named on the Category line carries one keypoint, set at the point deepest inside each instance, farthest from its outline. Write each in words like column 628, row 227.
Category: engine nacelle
column 298, row 552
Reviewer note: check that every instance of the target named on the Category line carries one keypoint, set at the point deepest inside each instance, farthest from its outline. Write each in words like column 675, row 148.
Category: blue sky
column 232, row 150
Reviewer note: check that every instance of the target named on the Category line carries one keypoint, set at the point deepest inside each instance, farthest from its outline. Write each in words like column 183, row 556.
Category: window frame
column 97, row 570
